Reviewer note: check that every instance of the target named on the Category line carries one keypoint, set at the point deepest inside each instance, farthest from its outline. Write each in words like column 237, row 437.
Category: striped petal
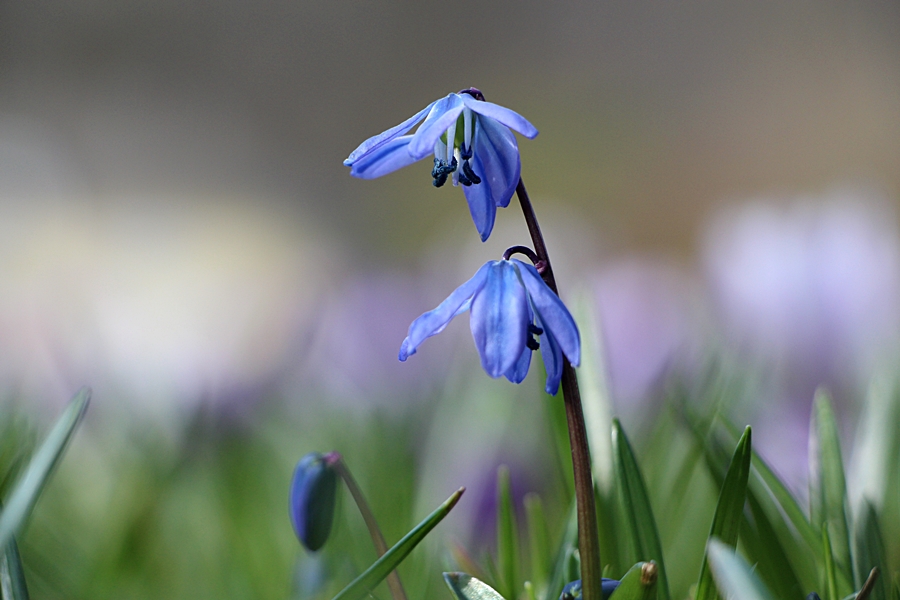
column 376, row 141
column 499, row 319
column 434, row 321
column 554, row 315
column 502, row 115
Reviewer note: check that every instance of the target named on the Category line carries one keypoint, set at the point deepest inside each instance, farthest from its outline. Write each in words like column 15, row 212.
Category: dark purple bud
column 572, row 590
column 312, row 498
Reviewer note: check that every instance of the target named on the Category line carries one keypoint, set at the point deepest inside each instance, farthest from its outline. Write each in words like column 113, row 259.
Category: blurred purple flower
column 646, row 324
column 814, row 284
column 510, row 305
column 352, row 355
column 809, row 290
column 472, row 145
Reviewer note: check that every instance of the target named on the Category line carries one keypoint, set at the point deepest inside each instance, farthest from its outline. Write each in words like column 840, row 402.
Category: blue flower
column 511, row 306
column 472, row 145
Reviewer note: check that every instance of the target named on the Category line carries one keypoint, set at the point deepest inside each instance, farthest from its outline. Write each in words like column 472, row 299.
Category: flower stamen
column 531, row 342
column 442, row 170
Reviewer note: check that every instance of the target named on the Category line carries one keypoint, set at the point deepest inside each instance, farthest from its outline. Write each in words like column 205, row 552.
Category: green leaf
column 831, row 586
column 507, row 544
column 828, row 489
column 374, row 575
column 566, row 548
column 729, row 510
column 12, row 578
column 778, row 519
column 538, row 544
column 466, row 587
column 733, row 576
column 870, row 551
column 765, row 482
column 764, row 548
column 636, row 506
column 28, row 488
column 639, row 583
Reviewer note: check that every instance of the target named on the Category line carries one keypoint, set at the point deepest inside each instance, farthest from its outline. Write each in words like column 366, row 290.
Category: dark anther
column 533, row 330
column 462, row 176
column 465, row 153
column 470, row 174
column 441, row 170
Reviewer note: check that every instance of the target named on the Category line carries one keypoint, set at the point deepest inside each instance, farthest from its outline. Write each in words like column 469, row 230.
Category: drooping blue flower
column 472, row 145
column 511, row 306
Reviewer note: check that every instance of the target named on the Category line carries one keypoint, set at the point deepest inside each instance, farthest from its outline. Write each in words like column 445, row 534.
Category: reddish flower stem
column 588, row 540
column 393, row 579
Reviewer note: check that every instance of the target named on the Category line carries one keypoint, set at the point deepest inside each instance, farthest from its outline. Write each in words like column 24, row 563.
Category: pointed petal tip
column 404, row 351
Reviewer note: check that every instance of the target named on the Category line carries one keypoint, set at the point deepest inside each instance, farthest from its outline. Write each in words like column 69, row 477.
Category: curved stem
column 393, row 580
column 588, row 540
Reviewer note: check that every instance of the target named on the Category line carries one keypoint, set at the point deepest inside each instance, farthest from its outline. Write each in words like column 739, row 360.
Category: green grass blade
column 375, row 574
column 733, row 576
column 870, row 551
column 538, row 544
column 831, row 585
column 729, row 510
column 507, row 544
column 639, row 583
column 12, row 578
column 636, row 506
column 765, row 550
column 560, row 573
column 28, row 488
column 828, row 489
column 765, row 481
column 466, row 587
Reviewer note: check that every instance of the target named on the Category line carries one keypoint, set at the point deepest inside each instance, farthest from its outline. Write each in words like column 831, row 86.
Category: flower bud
column 312, row 498
column 572, row 590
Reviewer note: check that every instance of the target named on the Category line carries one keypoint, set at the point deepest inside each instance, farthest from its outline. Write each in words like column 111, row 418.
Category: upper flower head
column 511, row 306
column 471, row 142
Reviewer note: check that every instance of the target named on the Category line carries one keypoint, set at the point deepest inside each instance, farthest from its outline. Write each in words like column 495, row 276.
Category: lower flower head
column 513, row 312
column 472, row 145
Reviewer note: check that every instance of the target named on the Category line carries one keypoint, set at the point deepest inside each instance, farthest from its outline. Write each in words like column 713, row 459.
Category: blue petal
column 501, row 114
column 481, row 202
column 443, row 113
column 520, row 369
column 553, row 358
column 434, row 321
column 376, row 141
column 496, row 148
column 385, row 159
column 552, row 312
column 499, row 319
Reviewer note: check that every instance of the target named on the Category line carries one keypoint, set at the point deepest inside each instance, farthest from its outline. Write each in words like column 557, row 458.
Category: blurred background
column 718, row 183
